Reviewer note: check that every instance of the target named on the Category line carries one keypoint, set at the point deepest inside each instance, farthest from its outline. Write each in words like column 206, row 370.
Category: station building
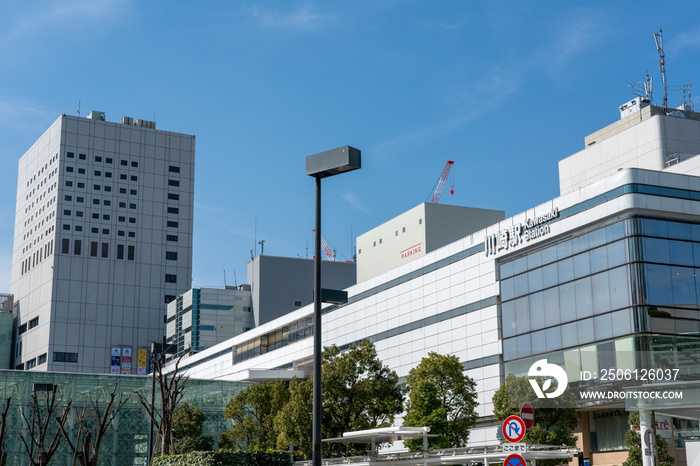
column 605, row 276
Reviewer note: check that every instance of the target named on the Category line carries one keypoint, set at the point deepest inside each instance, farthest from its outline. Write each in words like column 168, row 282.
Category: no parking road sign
column 513, row 428
column 514, row 460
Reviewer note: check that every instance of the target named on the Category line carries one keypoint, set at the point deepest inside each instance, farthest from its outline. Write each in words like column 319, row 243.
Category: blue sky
column 505, row 88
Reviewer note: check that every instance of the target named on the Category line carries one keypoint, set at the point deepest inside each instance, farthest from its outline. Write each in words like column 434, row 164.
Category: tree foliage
column 442, row 398
column 253, row 413
column 633, row 440
column 188, row 423
column 553, row 426
column 358, row 393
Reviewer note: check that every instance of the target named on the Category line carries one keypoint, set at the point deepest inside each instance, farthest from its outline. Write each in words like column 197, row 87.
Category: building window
column 70, row 155
column 78, row 228
column 122, row 177
column 122, row 190
column 31, row 364
column 132, row 206
column 172, row 238
column 105, row 217
column 21, row 329
column 96, row 216
column 132, row 192
column 108, row 189
column 170, row 278
column 69, row 169
column 174, row 197
column 69, row 183
column 82, row 156
column 41, row 359
column 130, row 253
column 68, row 198
column 134, row 164
column 81, row 185
column 66, row 227
column 108, row 160
column 105, row 231
column 120, row 251
column 106, row 202
column 170, row 256
column 174, row 169
column 122, row 219
column 98, row 158
column 132, row 220
column 132, row 234
column 173, row 183
column 172, row 224
column 96, row 201
column 98, row 173
column 95, row 230
column 173, row 210
column 133, row 178
column 124, row 162
column 105, row 250
column 120, row 233
column 79, row 199
column 122, row 205
column 93, row 249
column 168, row 298
column 81, row 171
column 77, row 246
column 34, row 322
column 65, row 357
column 65, row 246
column 108, row 174
column 96, row 187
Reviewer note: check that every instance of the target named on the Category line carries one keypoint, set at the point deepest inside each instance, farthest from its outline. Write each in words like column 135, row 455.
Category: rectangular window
column 173, row 210
column 41, row 359
column 122, row 205
column 69, row 183
column 172, row 224
column 170, row 256
column 31, row 364
column 107, row 202
column 98, row 173
column 81, row 171
column 34, row 322
column 124, row 162
column 132, row 234
column 96, row 201
column 132, row 206
column 132, row 220
column 70, row 155
column 98, row 158
column 105, row 216
column 174, row 169
column 172, row 238
column 105, row 250
column 77, row 246
column 96, row 187
column 132, row 192
column 122, row 219
column 173, row 183
column 174, row 197
column 168, row 298
column 94, row 230
column 66, row 212
column 65, row 246
column 170, row 278
column 69, row 169
column 81, row 185
column 130, row 254
column 21, row 329
column 133, row 178
column 108, row 174
column 122, row 177
column 96, row 216
column 93, row 249
column 108, row 189
column 82, row 156
column 80, row 199
column 108, row 160
column 68, row 198
column 105, row 231
column 66, row 227
column 122, row 190
column 78, row 228
column 120, row 251
column 65, row 357
column 134, row 164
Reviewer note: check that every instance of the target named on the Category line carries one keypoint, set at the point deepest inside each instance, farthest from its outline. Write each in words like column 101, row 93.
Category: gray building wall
column 280, row 285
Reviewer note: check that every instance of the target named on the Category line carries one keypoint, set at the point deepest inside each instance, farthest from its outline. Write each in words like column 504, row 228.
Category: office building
column 204, row 317
column 604, row 276
column 103, row 239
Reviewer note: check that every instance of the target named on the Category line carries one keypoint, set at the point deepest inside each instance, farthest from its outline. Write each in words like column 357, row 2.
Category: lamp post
column 322, row 165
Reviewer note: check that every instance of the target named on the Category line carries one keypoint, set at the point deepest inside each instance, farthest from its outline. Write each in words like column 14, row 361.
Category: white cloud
column 355, row 201
column 686, row 40
column 303, row 18
column 23, row 114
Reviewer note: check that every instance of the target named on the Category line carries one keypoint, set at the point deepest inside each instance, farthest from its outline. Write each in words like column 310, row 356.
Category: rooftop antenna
column 224, row 278
column 235, row 280
column 262, row 246
column 78, row 108
column 658, row 38
column 643, row 88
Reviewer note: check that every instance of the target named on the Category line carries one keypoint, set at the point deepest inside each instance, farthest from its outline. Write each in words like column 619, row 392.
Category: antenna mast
column 658, row 38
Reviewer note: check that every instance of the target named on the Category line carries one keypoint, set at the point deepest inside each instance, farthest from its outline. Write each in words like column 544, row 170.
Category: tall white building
column 103, row 239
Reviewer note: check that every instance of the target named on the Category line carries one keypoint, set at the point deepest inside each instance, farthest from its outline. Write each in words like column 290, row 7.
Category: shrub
column 227, row 458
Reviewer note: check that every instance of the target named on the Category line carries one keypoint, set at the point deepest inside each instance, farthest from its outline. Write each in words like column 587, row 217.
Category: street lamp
column 322, row 165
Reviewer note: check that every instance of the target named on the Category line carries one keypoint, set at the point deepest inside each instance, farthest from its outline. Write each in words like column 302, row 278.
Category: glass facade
column 126, row 442
column 637, row 275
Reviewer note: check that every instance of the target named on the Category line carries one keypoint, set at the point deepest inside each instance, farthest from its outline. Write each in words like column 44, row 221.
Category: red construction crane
column 326, row 249
column 441, row 182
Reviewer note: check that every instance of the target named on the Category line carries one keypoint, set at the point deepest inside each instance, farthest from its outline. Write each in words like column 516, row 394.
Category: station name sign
column 512, row 237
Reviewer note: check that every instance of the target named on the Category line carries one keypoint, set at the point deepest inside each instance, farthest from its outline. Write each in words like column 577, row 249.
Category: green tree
column 253, row 413
column 442, row 398
column 358, row 393
column 634, row 443
column 553, row 426
column 294, row 420
column 188, row 422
